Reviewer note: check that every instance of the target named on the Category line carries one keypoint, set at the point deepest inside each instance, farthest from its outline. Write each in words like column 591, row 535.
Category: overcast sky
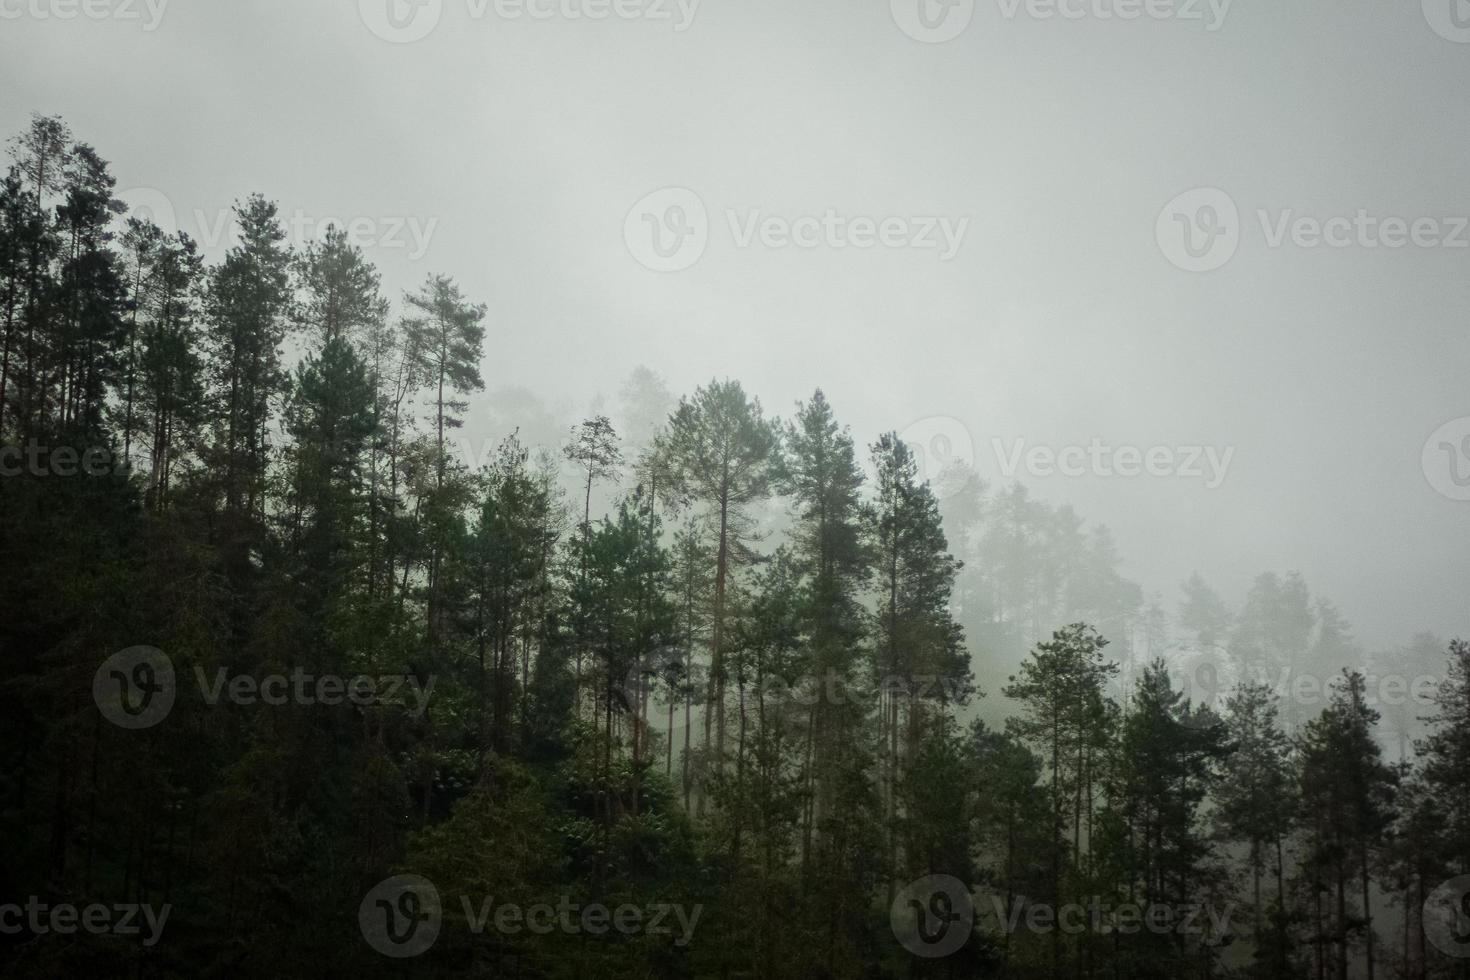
column 994, row 235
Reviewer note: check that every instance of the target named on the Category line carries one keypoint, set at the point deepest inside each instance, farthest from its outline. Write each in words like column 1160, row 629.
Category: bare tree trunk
column 1367, row 913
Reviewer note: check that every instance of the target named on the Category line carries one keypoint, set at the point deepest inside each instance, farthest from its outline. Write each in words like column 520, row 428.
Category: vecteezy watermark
column 1209, row 678
column 35, row 459
column 1447, row 917
column 136, row 688
column 1097, row 458
column 801, row 690
column 1201, row 229
column 932, row 21
column 147, row 12
column 407, row 21
column 1211, row 13
column 39, row 918
column 308, row 689
column 937, row 21
column 1450, row 19
column 1125, row 918
column 933, row 916
column 834, row 230
column 402, row 916
column 669, row 230
column 938, row 442
column 1446, row 459
column 219, row 228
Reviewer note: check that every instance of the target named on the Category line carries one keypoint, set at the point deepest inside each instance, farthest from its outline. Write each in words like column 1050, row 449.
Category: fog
column 513, row 152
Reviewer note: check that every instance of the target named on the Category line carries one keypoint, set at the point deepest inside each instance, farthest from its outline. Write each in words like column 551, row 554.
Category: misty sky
column 517, row 147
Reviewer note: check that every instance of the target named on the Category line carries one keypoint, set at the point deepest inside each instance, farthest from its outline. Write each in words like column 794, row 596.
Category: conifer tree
column 722, row 453
column 1256, row 798
column 1348, row 791
column 248, row 306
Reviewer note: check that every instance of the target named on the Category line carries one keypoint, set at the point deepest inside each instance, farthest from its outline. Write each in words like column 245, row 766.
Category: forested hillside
column 295, row 685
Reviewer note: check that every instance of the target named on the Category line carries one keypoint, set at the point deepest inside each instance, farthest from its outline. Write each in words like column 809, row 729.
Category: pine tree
column 297, row 506
column 1446, row 753
column 164, row 387
column 18, row 226
column 1014, row 831
column 1257, row 797
column 920, row 653
column 85, row 353
column 1349, row 792
column 593, row 449
column 41, row 156
column 1204, row 614
column 693, row 590
column 1167, row 764
column 331, row 420
column 1060, row 688
column 445, row 335
column 507, row 556
column 248, row 304
column 342, row 298
column 821, row 474
column 335, row 416
column 722, row 453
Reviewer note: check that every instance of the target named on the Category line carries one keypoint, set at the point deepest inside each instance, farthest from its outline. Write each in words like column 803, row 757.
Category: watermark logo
column 1447, row 917
column 407, row 21
column 219, row 229
column 1207, row 679
column 937, row 21
column 835, row 688
column 932, row 21
column 1203, row 686
column 668, row 230
column 573, row 918
column 36, row 459
column 401, row 916
column 401, row 21
column 836, row 231
column 1446, row 459
column 40, row 918
column 148, row 12
column 1199, row 230
column 1206, row 463
column 149, row 204
column 1104, row 918
column 680, row 12
column 1211, row 13
column 933, row 916
column 134, row 688
column 1362, row 230
column 937, row 442
column 1450, row 19
column 308, row 689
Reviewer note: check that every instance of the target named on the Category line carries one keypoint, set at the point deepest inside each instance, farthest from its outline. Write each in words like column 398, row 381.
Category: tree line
column 707, row 656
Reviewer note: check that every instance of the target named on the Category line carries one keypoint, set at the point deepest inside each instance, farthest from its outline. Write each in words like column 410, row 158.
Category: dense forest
column 297, row 685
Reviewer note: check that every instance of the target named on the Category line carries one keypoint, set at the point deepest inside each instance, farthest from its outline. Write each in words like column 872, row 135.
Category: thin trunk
column 1367, row 913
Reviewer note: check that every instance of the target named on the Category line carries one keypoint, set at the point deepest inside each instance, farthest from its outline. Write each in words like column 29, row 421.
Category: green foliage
column 267, row 521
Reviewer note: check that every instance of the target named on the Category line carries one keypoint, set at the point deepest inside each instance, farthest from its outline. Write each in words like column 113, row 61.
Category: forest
column 298, row 682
